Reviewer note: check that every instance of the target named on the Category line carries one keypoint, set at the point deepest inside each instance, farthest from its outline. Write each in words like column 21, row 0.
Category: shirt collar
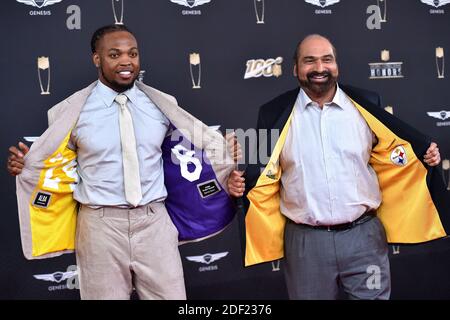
column 108, row 95
column 303, row 100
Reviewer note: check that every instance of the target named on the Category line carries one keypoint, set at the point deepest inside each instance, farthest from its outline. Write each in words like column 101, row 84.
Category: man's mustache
column 315, row 73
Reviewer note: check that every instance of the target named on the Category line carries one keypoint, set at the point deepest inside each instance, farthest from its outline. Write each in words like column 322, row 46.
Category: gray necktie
column 132, row 180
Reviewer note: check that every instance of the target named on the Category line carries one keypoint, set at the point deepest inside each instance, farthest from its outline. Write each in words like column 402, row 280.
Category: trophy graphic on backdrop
column 259, row 11
column 446, row 172
column 194, row 60
column 440, row 57
column 385, row 69
column 385, row 55
column 389, row 109
column 141, row 75
column 117, row 21
column 43, row 63
column 276, row 265
column 382, row 3
column 395, row 249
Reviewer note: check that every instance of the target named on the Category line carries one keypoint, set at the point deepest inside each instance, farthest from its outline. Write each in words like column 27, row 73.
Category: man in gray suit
column 328, row 191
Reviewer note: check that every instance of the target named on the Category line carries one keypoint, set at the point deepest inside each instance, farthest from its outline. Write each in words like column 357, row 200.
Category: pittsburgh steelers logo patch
column 398, row 156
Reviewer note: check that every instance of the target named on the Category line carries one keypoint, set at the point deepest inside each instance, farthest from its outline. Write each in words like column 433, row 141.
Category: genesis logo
column 441, row 115
column 56, row 279
column 56, row 276
column 39, row 3
column 190, row 3
column 208, row 258
column 322, row 3
column 436, row 3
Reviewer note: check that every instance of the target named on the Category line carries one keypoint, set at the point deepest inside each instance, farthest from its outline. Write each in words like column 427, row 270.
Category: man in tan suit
column 114, row 166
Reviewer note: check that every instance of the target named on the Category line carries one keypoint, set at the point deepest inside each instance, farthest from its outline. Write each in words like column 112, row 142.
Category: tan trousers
column 118, row 249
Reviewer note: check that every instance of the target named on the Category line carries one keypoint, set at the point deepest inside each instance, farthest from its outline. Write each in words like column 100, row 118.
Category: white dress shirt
column 326, row 178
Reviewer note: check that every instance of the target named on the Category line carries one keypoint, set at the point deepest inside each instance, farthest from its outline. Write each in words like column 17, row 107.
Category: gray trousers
column 318, row 263
column 118, row 249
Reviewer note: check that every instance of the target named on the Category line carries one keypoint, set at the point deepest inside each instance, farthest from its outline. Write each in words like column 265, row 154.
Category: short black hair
column 99, row 33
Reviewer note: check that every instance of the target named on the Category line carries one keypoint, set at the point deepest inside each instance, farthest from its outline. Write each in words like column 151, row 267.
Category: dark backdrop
column 226, row 35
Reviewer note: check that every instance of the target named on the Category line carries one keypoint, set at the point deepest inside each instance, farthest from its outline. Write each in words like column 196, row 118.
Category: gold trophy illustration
column 117, row 21
column 194, row 60
column 382, row 5
column 446, row 171
column 440, row 58
column 43, row 63
column 259, row 11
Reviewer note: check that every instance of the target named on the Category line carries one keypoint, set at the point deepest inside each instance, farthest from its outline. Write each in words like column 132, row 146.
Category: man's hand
column 236, row 185
column 15, row 158
column 432, row 156
column 234, row 146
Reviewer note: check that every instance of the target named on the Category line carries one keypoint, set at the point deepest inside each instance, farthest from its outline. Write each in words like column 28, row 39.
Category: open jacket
column 415, row 205
column 196, row 166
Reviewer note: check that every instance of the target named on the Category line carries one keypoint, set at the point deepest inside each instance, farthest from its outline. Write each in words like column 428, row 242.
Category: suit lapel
column 163, row 103
column 285, row 108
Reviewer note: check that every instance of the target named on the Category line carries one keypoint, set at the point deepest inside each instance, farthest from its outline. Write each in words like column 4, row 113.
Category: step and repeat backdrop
column 222, row 59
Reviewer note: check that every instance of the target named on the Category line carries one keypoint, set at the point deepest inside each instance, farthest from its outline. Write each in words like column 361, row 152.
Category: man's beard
column 119, row 87
column 318, row 88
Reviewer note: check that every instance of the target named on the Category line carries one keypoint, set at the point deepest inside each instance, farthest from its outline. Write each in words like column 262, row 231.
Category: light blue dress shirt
column 96, row 138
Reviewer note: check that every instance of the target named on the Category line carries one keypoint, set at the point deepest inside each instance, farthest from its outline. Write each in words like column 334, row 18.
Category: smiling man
column 103, row 153
column 107, row 50
column 318, row 202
